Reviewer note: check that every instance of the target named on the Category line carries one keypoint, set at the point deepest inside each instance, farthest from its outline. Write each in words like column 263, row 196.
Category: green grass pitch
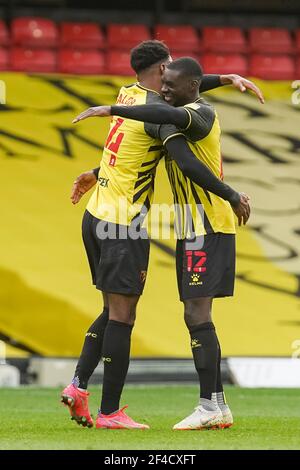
column 264, row 419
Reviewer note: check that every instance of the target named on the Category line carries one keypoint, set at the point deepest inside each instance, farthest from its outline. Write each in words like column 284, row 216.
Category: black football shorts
column 206, row 266
column 117, row 265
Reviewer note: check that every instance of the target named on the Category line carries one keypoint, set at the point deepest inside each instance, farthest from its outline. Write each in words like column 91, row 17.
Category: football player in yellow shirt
column 205, row 252
column 111, row 259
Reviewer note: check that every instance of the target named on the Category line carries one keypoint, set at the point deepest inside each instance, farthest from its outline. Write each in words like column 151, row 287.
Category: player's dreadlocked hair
column 188, row 67
column 148, row 53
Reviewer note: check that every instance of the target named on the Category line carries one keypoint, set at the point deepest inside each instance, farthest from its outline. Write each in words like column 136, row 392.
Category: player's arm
column 176, row 144
column 197, row 171
column 242, row 84
column 166, row 114
column 200, row 174
column 200, row 124
column 154, row 113
column 210, row 82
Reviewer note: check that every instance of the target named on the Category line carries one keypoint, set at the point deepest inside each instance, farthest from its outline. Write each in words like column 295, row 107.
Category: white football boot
column 201, row 419
column 227, row 418
column 219, row 400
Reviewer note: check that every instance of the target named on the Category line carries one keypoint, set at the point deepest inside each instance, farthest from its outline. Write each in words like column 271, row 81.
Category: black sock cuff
column 202, row 327
column 118, row 324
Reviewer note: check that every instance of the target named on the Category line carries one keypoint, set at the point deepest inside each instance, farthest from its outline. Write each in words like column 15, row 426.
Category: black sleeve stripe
column 207, row 226
column 177, row 206
column 171, row 174
column 149, row 163
column 141, row 215
column 189, row 223
column 181, row 186
column 141, row 191
column 148, row 171
column 142, row 180
column 207, row 195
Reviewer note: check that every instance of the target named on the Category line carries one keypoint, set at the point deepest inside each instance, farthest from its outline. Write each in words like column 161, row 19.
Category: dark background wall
column 285, row 13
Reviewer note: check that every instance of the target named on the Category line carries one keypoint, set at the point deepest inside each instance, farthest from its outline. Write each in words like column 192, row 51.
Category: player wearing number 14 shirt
column 130, row 156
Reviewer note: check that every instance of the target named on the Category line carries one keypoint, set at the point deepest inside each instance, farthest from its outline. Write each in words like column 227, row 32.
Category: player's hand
column 242, row 211
column 101, row 111
column 242, row 84
column 82, row 185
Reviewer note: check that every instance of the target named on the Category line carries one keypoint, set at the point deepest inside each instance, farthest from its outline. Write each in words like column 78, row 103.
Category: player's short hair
column 188, row 67
column 148, row 53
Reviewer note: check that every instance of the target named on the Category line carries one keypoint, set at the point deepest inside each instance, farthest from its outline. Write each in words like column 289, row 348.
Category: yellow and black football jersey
column 127, row 169
column 198, row 212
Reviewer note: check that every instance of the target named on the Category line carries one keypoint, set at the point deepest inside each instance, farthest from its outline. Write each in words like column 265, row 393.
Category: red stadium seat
column 298, row 40
column 224, row 64
column 126, row 36
column 4, row 64
column 118, row 63
column 218, row 39
column 176, row 55
column 89, row 62
column 33, row 60
column 4, row 37
column 82, row 36
column 270, row 41
column 272, row 67
column 34, row 32
column 178, row 38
